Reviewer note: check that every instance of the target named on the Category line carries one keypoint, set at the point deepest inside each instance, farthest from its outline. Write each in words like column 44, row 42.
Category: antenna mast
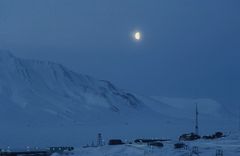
column 239, row 118
column 196, row 120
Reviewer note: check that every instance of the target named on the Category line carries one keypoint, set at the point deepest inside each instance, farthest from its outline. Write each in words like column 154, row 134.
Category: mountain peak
column 43, row 87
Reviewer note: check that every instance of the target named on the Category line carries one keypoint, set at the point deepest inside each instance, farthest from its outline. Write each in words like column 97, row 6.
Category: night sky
column 190, row 48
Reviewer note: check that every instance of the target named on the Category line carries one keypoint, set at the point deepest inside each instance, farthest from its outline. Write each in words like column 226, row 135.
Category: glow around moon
column 137, row 36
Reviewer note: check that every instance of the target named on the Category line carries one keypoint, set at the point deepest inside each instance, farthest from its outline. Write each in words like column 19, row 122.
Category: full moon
column 137, row 36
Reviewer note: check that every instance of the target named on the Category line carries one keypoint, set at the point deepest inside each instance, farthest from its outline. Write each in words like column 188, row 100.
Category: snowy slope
column 44, row 103
column 44, row 100
column 51, row 91
column 206, row 107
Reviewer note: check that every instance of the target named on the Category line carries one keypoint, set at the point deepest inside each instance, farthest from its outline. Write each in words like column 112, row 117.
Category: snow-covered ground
column 230, row 146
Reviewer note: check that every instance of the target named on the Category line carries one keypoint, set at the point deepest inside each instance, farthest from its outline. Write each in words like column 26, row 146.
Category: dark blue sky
column 190, row 48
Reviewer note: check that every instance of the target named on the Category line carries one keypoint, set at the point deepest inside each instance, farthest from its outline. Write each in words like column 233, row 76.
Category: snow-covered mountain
column 207, row 107
column 47, row 98
column 40, row 91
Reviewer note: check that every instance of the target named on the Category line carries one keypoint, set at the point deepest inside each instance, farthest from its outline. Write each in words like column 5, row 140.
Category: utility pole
column 196, row 121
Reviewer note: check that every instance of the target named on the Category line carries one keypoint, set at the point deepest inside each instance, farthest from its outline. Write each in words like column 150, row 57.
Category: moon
column 137, row 36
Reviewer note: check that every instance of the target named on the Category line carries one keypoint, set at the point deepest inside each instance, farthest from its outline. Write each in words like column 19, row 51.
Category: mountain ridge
column 23, row 80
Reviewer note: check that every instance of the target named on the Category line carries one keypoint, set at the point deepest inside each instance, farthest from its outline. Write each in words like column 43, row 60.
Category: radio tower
column 99, row 139
column 239, row 118
column 196, row 126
